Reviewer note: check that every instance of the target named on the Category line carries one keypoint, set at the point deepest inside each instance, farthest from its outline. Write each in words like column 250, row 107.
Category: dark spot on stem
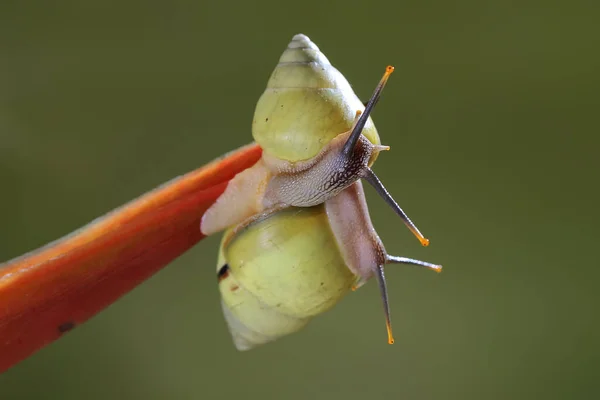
column 66, row 327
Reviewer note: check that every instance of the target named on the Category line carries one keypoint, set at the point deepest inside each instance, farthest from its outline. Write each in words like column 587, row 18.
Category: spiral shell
column 307, row 103
column 278, row 273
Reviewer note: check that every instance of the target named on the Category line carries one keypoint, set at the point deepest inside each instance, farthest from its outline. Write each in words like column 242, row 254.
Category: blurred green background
column 492, row 116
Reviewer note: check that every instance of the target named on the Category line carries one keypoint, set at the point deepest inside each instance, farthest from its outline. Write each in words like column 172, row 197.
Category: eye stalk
column 360, row 124
column 373, row 180
column 368, row 174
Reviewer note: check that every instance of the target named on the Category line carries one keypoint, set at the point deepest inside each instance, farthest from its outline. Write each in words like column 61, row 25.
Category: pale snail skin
column 299, row 235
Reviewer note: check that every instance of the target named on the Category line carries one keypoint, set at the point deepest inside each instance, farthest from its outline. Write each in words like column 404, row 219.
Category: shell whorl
column 307, row 103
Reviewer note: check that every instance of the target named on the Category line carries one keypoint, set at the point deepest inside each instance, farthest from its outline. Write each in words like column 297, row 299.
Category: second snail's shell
column 283, row 270
column 306, row 104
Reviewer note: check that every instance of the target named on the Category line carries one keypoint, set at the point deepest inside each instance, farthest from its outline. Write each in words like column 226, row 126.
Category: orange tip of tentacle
column 389, row 333
column 378, row 147
column 424, row 241
column 388, row 71
column 436, row 268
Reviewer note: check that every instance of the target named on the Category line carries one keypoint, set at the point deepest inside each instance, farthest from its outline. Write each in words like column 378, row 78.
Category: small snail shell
column 306, row 104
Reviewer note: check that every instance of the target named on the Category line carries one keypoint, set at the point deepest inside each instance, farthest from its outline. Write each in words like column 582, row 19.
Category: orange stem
column 45, row 293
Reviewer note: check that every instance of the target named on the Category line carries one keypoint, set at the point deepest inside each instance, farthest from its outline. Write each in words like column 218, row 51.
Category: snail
column 298, row 232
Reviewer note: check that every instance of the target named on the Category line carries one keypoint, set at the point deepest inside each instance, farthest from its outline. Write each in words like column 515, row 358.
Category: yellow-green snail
column 299, row 236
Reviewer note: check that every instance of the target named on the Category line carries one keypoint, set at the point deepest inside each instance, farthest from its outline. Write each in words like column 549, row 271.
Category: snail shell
column 306, row 104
